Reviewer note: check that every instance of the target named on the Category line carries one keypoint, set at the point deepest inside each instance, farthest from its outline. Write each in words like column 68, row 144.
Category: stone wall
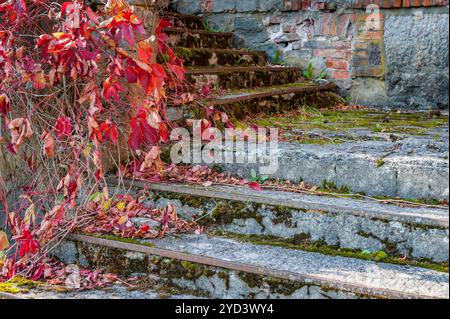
column 379, row 52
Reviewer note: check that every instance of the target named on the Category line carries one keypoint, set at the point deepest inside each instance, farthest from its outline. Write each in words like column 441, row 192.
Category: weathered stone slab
column 198, row 262
column 418, row 233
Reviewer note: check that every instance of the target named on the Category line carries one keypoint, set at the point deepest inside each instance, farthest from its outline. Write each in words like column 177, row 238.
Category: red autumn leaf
column 4, row 243
column 109, row 131
column 111, row 89
column 141, row 132
column 5, row 106
column 179, row 71
column 49, row 144
column 27, row 244
column 255, row 186
column 63, row 126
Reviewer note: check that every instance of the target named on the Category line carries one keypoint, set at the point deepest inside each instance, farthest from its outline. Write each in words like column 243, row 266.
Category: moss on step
column 121, row 239
column 325, row 249
column 309, row 118
column 18, row 285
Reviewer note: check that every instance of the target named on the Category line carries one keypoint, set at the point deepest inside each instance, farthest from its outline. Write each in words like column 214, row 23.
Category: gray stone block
column 417, row 59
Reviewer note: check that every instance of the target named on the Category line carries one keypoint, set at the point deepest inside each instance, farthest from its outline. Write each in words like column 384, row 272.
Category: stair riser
column 186, row 22
column 212, row 281
column 268, row 105
column 408, row 178
column 207, row 57
column 199, row 40
column 327, row 230
column 242, row 80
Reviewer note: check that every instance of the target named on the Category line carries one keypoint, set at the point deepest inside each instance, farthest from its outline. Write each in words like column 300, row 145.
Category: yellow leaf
column 121, row 206
column 123, row 220
column 87, row 150
column 106, row 205
column 4, row 243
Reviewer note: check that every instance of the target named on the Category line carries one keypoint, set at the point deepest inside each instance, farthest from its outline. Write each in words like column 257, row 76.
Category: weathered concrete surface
column 336, row 273
column 419, row 233
column 203, row 279
column 118, row 291
column 374, row 277
column 416, row 167
column 417, row 52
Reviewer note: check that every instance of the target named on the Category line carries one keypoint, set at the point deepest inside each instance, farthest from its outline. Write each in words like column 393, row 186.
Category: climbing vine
column 79, row 92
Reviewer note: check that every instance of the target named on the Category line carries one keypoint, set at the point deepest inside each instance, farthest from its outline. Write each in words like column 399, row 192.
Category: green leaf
column 94, row 196
column 253, row 174
column 366, row 253
column 380, row 255
column 264, row 178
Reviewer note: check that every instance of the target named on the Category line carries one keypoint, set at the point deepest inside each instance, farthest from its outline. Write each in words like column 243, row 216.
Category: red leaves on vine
column 49, row 144
column 63, row 127
column 111, row 89
column 123, row 26
column 5, row 105
column 20, row 129
column 27, row 244
column 141, row 131
column 109, row 131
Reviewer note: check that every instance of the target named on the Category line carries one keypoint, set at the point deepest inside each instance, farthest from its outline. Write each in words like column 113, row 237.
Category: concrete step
column 309, row 221
column 185, row 21
column 240, row 104
column 411, row 165
column 180, row 37
column 225, row 268
column 140, row 290
column 220, row 57
column 237, row 77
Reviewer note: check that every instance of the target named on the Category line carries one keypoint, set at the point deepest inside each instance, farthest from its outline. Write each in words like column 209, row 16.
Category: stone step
column 239, row 104
column 229, row 78
column 142, row 291
column 327, row 223
column 220, row 57
column 184, row 21
column 180, row 37
column 225, row 268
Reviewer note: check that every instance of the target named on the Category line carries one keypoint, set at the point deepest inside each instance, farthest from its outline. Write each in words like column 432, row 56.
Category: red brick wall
column 296, row 5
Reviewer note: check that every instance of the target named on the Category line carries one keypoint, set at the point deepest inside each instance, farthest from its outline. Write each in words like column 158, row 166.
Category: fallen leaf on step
column 207, row 184
column 255, row 186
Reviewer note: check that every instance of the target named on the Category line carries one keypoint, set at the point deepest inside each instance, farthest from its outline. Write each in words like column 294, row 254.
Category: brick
column 416, row 3
column 344, row 44
column 322, row 6
column 275, row 20
column 305, row 4
column 333, row 26
column 331, row 53
column 361, row 54
column 377, row 3
column 337, row 64
column 358, row 4
column 397, row 3
column 367, row 71
column 340, row 75
column 288, row 28
column 326, row 22
column 427, row 3
column 406, row 3
column 371, row 35
column 387, row 4
column 317, row 44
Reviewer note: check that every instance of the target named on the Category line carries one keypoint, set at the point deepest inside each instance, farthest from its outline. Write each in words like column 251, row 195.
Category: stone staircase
column 246, row 79
column 281, row 244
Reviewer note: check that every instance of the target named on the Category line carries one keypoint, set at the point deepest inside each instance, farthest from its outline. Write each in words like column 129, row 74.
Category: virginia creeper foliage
column 75, row 87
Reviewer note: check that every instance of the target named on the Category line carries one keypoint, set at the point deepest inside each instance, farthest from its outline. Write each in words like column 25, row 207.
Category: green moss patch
column 308, row 118
column 322, row 248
